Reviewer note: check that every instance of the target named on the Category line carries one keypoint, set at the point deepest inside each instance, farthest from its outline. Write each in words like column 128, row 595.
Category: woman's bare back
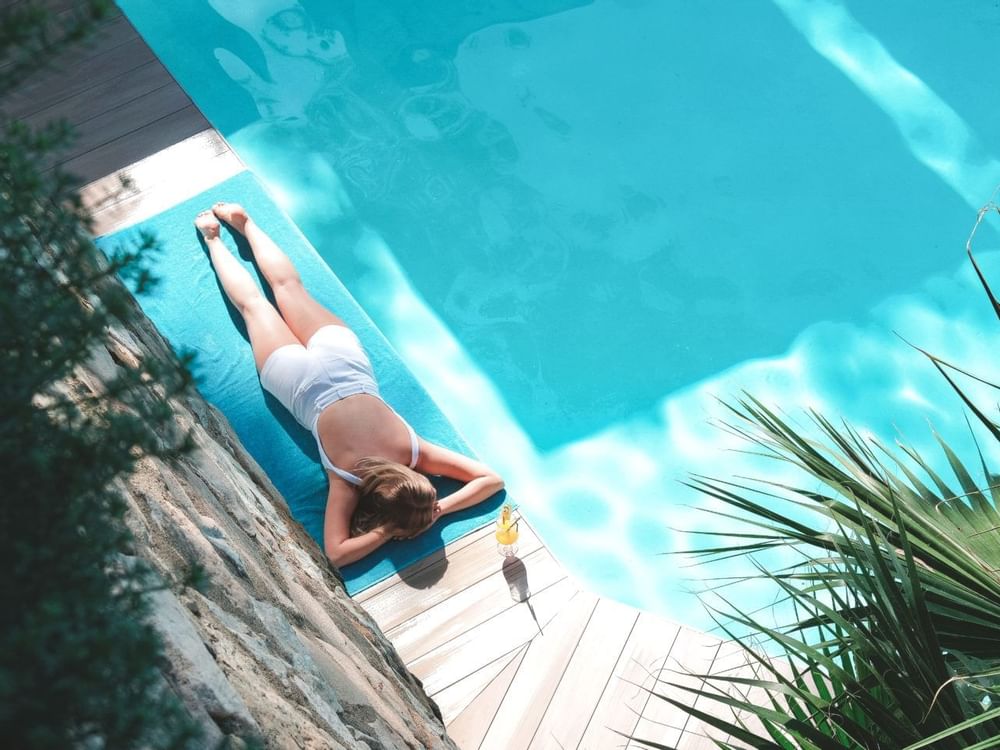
column 359, row 426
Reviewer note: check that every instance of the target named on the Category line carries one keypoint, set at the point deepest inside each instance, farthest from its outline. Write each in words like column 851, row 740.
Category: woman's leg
column 303, row 314
column 266, row 328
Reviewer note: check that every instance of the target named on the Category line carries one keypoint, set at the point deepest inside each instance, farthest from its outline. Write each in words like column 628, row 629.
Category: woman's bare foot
column 207, row 224
column 233, row 214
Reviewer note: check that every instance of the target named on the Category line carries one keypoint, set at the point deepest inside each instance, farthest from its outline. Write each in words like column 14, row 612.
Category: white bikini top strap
column 414, row 445
column 328, row 464
column 346, row 475
column 354, row 478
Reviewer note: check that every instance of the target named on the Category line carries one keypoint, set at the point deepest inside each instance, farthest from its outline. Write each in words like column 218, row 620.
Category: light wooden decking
column 519, row 656
column 516, row 653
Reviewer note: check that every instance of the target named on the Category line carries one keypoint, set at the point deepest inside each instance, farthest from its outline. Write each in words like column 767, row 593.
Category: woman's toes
column 207, row 224
column 232, row 213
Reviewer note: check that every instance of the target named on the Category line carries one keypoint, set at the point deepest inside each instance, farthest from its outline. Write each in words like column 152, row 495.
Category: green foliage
column 895, row 641
column 30, row 36
column 78, row 662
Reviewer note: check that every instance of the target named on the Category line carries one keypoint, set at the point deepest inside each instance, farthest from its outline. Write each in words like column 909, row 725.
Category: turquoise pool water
column 579, row 223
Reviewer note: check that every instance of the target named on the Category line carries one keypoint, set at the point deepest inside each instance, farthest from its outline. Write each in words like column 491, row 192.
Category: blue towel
column 190, row 309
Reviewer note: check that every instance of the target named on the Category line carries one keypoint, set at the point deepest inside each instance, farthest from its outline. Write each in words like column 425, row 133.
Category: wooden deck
column 515, row 652
column 518, row 655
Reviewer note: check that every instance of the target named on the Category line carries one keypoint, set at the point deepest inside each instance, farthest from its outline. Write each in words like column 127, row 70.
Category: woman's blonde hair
column 391, row 494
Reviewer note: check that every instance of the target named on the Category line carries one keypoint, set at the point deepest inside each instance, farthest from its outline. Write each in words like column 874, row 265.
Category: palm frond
column 896, row 595
column 895, row 638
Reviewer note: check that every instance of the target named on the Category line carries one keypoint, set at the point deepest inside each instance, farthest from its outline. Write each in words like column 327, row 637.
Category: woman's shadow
column 422, row 560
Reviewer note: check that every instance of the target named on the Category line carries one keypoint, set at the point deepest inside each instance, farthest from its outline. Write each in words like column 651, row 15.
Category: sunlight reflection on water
column 608, row 504
column 582, row 224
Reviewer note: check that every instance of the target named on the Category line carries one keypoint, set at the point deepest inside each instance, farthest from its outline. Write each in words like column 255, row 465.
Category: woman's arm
column 354, row 548
column 338, row 544
column 480, row 480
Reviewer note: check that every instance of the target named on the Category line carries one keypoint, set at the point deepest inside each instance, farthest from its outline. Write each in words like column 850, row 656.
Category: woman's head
column 394, row 495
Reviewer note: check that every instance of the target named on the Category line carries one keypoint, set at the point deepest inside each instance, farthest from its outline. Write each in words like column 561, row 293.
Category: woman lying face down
column 314, row 364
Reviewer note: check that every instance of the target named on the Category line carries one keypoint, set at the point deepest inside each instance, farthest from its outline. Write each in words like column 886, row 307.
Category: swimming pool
column 579, row 223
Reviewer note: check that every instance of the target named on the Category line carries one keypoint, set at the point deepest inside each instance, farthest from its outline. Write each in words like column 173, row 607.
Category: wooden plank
column 86, row 105
column 537, row 679
column 68, row 7
column 137, row 144
column 528, row 542
column 759, row 696
column 74, row 76
column 446, row 576
column 64, row 10
column 693, row 740
column 481, row 601
column 108, row 33
column 586, row 676
column 182, row 158
column 666, row 736
column 56, row 7
column 159, row 181
column 527, row 534
column 622, row 703
column 731, row 660
column 412, row 571
column 126, row 118
column 140, row 206
column 692, row 653
column 476, row 648
column 454, row 699
column 734, row 661
column 469, row 727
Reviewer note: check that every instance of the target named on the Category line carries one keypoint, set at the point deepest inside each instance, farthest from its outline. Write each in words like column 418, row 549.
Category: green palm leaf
column 895, row 639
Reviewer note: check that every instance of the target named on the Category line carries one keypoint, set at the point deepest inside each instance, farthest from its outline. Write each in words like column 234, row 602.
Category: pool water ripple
column 581, row 223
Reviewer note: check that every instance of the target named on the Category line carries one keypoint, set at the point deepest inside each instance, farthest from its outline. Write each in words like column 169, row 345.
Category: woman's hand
column 480, row 480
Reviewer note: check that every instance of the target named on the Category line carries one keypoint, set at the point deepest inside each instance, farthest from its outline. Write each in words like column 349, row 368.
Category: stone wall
column 272, row 648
